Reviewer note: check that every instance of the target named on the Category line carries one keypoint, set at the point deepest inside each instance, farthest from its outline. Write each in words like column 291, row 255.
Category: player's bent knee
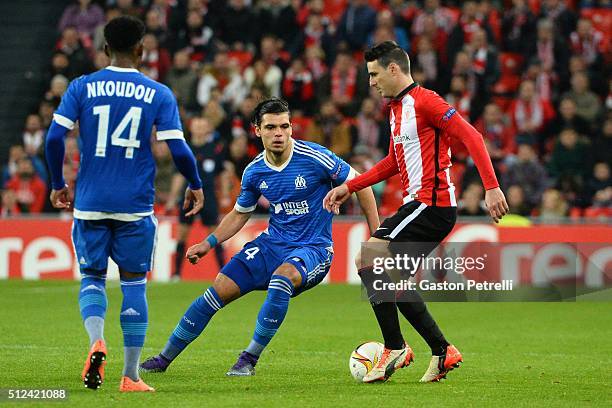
column 226, row 288
column 289, row 271
column 373, row 248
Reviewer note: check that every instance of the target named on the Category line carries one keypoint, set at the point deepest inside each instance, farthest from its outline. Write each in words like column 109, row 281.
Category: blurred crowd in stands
column 532, row 76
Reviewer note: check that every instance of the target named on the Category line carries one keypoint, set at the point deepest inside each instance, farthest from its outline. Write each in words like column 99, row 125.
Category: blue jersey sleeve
column 68, row 111
column 168, row 120
column 54, row 151
column 333, row 167
column 247, row 200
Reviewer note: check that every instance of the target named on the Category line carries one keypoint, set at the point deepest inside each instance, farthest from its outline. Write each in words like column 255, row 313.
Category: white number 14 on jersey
column 131, row 118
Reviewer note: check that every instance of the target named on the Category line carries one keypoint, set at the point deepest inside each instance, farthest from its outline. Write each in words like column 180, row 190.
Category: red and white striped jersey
column 421, row 149
column 422, row 124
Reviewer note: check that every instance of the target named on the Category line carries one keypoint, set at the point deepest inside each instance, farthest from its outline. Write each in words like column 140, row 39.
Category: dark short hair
column 272, row 105
column 123, row 33
column 387, row 52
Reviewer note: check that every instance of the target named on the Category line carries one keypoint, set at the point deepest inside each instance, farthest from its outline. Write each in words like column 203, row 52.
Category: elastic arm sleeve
column 185, row 162
column 54, row 152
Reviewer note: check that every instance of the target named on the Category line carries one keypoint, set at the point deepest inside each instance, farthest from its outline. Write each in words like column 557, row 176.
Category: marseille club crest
column 300, row 183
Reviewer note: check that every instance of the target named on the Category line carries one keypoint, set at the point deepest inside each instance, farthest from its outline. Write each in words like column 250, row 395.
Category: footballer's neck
column 404, row 82
column 279, row 158
column 124, row 61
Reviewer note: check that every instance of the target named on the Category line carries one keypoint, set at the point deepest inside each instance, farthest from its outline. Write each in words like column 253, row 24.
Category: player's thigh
column 92, row 241
column 261, row 258
column 248, row 270
column 133, row 244
column 312, row 263
column 233, row 281
column 416, row 228
column 374, row 247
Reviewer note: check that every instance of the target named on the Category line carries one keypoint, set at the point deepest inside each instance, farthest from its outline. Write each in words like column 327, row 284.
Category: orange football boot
column 439, row 366
column 129, row 385
column 390, row 361
column 93, row 371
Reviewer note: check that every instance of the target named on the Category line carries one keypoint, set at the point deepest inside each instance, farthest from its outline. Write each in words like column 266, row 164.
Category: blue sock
column 92, row 303
column 272, row 313
column 192, row 323
column 134, row 321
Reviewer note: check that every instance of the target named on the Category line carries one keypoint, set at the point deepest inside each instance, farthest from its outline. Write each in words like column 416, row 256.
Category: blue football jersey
column 295, row 191
column 116, row 109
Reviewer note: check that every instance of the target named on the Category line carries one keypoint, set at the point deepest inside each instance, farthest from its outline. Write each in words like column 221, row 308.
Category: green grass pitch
column 519, row 354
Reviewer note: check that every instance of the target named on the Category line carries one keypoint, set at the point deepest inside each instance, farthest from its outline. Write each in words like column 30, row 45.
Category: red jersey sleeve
column 446, row 118
column 383, row 170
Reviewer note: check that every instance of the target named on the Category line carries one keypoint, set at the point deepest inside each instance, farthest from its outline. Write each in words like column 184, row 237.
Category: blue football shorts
column 252, row 268
column 131, row 245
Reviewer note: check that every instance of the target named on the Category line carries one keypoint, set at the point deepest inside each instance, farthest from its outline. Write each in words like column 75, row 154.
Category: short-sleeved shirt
column 116, row 109
column 295, row 191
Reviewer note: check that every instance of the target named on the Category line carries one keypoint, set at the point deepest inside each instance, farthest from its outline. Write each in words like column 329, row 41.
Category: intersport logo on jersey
column 292, row 207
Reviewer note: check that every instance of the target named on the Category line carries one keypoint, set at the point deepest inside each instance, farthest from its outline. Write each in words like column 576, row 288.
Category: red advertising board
column 42, row 249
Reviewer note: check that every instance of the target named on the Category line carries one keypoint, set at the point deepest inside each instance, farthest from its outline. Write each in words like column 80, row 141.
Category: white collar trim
column 120, row 69
column 285, row 164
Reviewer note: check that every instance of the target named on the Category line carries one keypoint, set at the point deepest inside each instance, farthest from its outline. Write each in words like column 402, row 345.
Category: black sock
column 383, row 304
column 411, row 305
column 220, row 255
column 178, row 260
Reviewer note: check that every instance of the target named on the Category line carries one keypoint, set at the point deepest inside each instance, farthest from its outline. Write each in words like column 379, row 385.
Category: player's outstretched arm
column 54, row 152
column 367, row 202
column 335, row 197
column 384, row 169
column 473, row 140
column 186, row 164
column 229, row 226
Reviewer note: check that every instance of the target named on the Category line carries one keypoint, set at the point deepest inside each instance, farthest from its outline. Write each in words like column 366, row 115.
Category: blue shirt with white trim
column 295, row 191
column 116, row 109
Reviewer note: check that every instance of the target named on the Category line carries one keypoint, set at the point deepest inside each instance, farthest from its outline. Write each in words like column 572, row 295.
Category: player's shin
column 192, row 323
column 92, row 303
column 411, row 305
column 384, row 308
column 272, row 313
column 134, row 321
